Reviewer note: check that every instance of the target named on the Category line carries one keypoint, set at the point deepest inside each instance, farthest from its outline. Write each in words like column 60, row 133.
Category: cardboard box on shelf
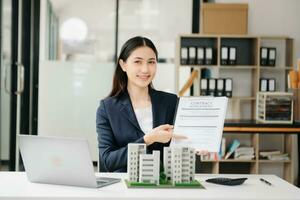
column 223, row 18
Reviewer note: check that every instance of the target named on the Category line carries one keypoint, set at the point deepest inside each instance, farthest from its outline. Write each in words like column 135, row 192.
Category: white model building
column 133, row 156
column 188, row 164
column 179, row 164
column 176, row 167
column 149, row 168
column 167, row 162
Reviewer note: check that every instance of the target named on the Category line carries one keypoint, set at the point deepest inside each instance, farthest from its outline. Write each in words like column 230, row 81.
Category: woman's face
column 140, row 67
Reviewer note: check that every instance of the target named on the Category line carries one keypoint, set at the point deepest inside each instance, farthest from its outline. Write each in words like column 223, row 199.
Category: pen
column 265, row 181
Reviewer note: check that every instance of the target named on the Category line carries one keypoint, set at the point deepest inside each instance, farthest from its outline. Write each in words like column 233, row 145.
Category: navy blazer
column 117, row 126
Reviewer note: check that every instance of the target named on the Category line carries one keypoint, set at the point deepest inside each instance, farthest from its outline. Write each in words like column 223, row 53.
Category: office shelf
column 246, row 72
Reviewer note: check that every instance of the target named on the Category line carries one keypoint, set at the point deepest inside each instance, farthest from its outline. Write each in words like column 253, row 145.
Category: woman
column 134, row 112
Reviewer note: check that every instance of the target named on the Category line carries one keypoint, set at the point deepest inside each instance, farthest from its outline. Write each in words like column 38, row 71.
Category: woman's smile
column 144, row 77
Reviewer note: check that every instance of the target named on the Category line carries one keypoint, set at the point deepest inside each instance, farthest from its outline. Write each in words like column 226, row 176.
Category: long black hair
column 120, row 77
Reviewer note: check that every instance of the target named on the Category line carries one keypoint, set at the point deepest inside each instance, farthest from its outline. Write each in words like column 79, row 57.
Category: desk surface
column 14, row 185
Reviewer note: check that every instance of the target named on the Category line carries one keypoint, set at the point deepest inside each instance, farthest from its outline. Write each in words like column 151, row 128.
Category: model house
column 134, row 150
column 149, row 168
column 179, row 164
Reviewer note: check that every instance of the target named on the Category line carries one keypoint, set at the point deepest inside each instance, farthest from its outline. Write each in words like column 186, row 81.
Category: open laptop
column 63, row 161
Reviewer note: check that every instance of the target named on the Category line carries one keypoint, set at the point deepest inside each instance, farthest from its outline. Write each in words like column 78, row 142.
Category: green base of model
column 165, row 184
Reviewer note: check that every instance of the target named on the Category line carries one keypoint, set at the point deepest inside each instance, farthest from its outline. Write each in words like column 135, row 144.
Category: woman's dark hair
column 120, row 77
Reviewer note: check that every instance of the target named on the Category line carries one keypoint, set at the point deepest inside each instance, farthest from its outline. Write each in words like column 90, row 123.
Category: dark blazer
column 117, row 126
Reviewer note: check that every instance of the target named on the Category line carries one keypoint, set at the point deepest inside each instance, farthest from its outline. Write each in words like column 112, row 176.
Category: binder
column 200, row 56
column 272, row 56
column 263, row 84
column 263, row 56
column 228, row 87
column 203, row 86
column 208, row 55
column 212, row 87
column 192, row 55
column 224, row 56
column 184, row 56
column 232, row 55
column 272, row 85
column 220, row 87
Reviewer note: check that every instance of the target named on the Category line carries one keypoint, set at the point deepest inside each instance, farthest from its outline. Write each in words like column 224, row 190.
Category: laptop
column 62, row 161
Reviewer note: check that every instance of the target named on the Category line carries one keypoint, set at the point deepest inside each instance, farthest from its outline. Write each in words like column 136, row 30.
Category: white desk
column 14, row 185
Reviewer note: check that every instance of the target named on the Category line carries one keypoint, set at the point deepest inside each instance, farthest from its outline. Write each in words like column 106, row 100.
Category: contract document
column 201, row 120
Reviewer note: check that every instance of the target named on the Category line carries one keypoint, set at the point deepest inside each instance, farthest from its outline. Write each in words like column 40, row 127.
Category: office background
column 73, row 46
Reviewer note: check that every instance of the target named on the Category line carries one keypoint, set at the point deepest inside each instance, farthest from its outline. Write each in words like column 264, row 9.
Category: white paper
column 201, row 119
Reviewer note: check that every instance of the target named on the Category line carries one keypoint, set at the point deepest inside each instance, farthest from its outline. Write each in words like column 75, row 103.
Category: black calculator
column 227, row 181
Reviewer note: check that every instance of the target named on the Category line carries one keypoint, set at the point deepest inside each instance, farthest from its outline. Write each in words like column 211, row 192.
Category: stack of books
column 274, row 155
column 244, row 153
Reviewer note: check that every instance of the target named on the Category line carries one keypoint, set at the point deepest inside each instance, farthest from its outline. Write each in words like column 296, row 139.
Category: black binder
column 232, row 55
column 263, row 56
column 228, row 87
column 192, row 55
column 263, row 84
column 203, row 86
column 200, row 56
column 208, row 55
column 184, row 56
column 220, row 87
column 271, row 56
column 224, row 55
column 272, row 85
column 212, row 87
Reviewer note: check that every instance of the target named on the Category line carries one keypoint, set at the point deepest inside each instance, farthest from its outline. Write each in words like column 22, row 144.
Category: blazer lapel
column 127, row 110
column 157, row 110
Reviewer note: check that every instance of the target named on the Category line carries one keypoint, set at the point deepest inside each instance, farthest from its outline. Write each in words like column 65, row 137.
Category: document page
column 201, row 120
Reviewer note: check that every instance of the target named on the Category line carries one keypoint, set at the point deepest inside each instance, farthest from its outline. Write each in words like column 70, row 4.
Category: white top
column 15, row 186
column 145, row 119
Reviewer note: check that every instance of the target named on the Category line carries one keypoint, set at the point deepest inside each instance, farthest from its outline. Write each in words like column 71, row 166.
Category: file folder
column 200, row 56
column 220, row 87
column 203, row 87
column 212, row 87
column 192, row 55
column 263, row 56
column 263, row 84
column 228, row 87
column 184, row 56
column 272, row 57
column 208, row 55
column 224, row 56
column 232, row 55
column 272, row 85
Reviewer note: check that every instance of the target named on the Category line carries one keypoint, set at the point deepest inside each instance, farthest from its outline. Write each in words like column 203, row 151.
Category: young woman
column 134, row 112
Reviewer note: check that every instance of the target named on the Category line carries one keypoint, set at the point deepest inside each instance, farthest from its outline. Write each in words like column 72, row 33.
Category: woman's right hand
column 163, row 134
